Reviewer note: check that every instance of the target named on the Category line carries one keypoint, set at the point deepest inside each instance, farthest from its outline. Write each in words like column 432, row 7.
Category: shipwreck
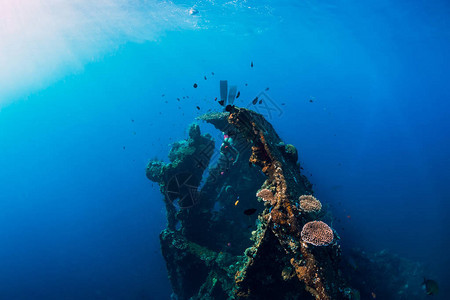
column 243, row 222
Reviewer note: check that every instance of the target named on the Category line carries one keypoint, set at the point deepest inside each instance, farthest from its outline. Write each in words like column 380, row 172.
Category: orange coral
column 317, row 233
column 278, row 217
column 301, row 271
column 309, row 203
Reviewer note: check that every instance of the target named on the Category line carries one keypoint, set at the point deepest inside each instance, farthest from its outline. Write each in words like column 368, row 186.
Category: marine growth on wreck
column 244, row 224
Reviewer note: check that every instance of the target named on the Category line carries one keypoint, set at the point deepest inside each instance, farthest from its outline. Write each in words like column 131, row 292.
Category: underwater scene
column 201, row 150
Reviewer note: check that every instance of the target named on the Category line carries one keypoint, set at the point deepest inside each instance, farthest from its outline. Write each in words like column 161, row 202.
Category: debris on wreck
column 209, row 247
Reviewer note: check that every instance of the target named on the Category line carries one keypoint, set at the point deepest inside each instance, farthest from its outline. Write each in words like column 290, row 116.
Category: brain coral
column 266, row 195
column 317, row 233
column 309, row 203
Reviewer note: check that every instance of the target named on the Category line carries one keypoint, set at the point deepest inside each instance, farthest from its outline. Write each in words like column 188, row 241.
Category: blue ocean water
column 89, row 95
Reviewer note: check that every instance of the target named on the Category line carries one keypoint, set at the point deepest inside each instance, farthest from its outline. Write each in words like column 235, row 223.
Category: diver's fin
column 232, row 94
column 223, row 92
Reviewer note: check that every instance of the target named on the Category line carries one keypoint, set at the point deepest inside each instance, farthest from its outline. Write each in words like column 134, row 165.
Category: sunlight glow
column 44, row 40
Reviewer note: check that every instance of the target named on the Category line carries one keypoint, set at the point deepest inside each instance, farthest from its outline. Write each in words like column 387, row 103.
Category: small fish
column 132, row 120
column 430, row 286
column 246, row 84
column 255, row 101
column 162, row 95
column 195, row 85
column 267, row 88
column 238, row 94
column 374, row 296
column 222, row 102
column 250, row 211
column 311, row 100
column 212, row 73
column 123, row 147
column 260, row 101
column 198, row 107
column 283, row 103
column 204, row 77
column 236, row 203
column 215, row 99
column 178, row 99
column 251, row 65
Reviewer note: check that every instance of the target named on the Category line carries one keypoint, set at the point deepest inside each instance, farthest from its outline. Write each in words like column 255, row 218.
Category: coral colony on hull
column 251, row 228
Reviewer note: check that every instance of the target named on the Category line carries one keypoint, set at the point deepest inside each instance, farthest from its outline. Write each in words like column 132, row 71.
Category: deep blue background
column 78, row 218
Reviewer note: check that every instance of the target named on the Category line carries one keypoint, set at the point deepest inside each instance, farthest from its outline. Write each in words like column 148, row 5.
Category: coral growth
column 317, row 233
column 267, row 195
column 309, row 203
column 291, row 152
